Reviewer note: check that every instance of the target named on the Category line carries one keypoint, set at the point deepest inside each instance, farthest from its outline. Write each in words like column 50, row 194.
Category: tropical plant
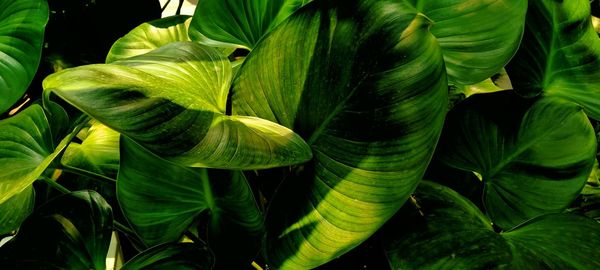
column 286, row 134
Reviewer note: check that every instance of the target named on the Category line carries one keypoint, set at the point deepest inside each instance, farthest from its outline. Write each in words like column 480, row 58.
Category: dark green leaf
column 524, row 150
column 239, row 22
column 559, row 54
column 477, row 37
column 162, row 199
column 363, row 82
column 15, row 210
column 70, row 232
column 22, row 25
column 558, row 241
column 443, row 230
column 97, row 153
column 26, row 150
column 172, row 256
column 440, row 229
column 150, row 36
column 172, row 101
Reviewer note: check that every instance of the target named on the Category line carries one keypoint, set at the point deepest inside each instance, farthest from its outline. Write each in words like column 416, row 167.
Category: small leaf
column 239, row 22
column 560, row 54
column 443, row 230
column 172, row 256
column 363, row 83
column 172, row 101
column 478, row 37
column 21, row 36
column 15, row 210
column 70, row 232
column 26, row 150
column 524, row 151
column 150, row 36
column 98, row 152
column 162, row 199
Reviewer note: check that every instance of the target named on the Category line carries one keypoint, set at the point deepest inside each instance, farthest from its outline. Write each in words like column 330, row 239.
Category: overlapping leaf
column 162, row 199
column 150, row 36
column 239, row 22
column 172, row 256
column 97, row 153
column 443, row 230
column 70, row 232
column 559, row 54
column 15, row 210
column 363, row 82
column 26, row 150
column 22, row 25
column 534, row 155
column 478, row 37
column 172, row 101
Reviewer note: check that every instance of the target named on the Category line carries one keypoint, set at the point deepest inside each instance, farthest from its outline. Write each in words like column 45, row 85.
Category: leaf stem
column 89, row 174
column 179, row 7
column 55, row 185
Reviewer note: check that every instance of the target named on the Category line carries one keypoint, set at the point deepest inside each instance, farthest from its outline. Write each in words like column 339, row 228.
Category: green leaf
column 440, row 229
column 26, row 150
column 172, row 256
column 443, row 230
column 560, row 54
column 21, row 36
column 239, row 22
column 477, row 37
column 541, row 243
column 172, row 101
column 524, row 150
column 150, row 36
column 363, row 83
column 15, row 210
column 98, row 152
column 70, row 232
column 162, row 199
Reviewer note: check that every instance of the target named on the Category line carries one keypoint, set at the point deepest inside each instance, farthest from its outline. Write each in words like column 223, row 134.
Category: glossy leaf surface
column 172, row 256
column 363, row 83
column 97, row 153
column 240, row 22
column 22, row 25
column 172, row 101
column 162, row 199
column 150, row 36
column 443, row 230
column 478, row 37
column 524, row 150
column 26, row 150
column 70, row 232
column 559, row 54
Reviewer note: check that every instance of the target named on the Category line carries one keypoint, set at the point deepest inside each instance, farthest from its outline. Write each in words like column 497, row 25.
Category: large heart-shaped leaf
column 172, row 101
column 22, row 25
column 162, row 199
column 478, row 37
column 70, row 232
column 150, row 36
column 443, row 230
column 26, row 150
column 97, row 153
column 239, row 22
column 364, row 83
column 172, row 256
column 15, row 210
column 559, row 54
column 534, row 155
